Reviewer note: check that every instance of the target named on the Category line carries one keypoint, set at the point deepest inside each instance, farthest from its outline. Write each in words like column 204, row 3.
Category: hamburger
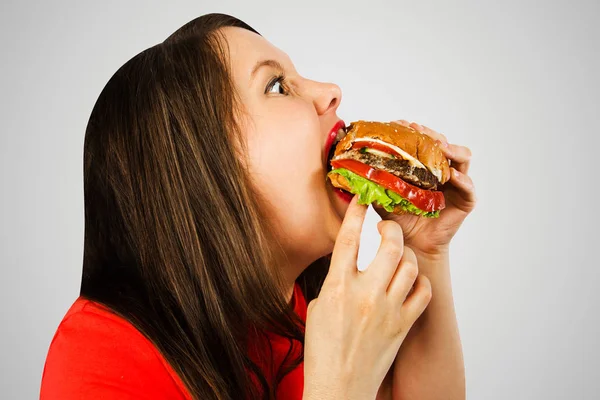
column 396, row 166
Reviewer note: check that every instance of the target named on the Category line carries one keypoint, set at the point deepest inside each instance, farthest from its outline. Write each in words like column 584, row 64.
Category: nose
column 327, row 97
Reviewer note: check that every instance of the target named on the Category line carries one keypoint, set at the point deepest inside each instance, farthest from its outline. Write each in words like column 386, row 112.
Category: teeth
column 340, row 135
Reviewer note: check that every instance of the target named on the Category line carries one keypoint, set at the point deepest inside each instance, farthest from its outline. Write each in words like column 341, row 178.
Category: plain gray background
column 516, row 81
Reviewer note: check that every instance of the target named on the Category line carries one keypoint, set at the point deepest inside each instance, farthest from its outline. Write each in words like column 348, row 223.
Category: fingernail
column 446, row 144
column 455, row 172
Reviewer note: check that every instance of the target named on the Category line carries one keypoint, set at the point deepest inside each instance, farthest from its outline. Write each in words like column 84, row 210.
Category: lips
column 331, row 139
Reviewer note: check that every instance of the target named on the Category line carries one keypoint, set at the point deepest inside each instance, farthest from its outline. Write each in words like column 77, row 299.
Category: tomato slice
column 426, row 200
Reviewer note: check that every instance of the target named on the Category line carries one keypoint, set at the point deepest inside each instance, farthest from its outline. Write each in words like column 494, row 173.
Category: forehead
column 246, row 48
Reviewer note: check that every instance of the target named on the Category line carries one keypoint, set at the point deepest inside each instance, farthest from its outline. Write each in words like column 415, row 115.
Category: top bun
column 418, row 145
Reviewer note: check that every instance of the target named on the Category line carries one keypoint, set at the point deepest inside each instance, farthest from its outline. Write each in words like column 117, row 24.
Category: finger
column 402, row 122
column 429, row 132
column 433, row 133
column 460, row 155
column 389, row 254
column 417, row 301
column 345, row 250
column 404, row 278
column 464, row 183
column 462, row 167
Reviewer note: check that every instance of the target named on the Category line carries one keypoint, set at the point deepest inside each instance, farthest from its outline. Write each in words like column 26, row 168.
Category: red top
column 96, row 354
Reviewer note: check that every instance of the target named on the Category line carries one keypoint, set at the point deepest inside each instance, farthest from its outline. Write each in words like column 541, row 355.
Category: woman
column 209, row 228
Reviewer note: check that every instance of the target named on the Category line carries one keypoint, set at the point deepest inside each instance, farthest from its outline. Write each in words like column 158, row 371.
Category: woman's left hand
column 431, row 236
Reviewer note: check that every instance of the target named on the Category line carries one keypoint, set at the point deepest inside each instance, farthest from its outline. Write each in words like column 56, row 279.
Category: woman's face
column 287, row 123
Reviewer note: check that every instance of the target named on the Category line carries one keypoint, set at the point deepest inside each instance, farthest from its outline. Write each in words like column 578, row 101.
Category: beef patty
column 400, row 167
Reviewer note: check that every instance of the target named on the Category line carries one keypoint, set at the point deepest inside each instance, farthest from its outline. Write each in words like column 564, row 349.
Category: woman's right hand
column 355, row 327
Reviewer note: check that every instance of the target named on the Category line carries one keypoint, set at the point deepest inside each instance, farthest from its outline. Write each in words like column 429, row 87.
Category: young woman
column 209, row 228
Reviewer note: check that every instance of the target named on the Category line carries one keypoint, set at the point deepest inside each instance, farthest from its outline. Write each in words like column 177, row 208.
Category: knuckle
column 356, row 213
column 409, row 256
column 411, row 271
column 390, row 228
column 427, row 296
column 425, row 285
column 392, row 243
column 467, row 183
column 393, row 250
column 391, row 233
column 348, row 240
column 471, row 184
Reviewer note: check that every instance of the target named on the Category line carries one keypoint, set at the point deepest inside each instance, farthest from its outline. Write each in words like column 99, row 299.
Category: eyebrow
column 266, row 63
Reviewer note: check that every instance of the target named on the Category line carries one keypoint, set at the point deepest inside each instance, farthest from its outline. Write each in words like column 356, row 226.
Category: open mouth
column 329, row 157
column 342, row 132
column 345, row 195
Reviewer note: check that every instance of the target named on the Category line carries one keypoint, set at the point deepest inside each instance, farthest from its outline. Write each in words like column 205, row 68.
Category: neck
column 290, row 279
column 291, row 272
column 290, row 294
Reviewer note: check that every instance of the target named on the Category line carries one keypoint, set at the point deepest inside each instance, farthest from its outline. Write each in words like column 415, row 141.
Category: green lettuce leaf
column 369, row 192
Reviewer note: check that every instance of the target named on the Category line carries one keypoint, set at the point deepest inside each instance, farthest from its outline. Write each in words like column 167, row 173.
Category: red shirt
column 97, row 355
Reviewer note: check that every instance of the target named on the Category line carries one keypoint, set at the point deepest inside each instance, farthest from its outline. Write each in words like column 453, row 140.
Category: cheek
column 285, row 162
column 285, row 148
column 285, row 157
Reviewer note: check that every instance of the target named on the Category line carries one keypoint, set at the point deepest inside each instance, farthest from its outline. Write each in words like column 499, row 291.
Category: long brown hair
column 176, row 237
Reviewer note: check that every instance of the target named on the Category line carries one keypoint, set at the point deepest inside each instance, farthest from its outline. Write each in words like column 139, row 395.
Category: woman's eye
column 277, row 86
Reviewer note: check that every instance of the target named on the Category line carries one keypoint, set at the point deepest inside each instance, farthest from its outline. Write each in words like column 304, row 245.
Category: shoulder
column 95, row 353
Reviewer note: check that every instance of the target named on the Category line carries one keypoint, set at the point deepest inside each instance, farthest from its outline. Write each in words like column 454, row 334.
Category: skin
column 430, row 363
column 286, row 127
column 286, row 131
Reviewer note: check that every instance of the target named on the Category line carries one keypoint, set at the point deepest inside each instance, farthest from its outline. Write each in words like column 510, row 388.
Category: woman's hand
column 431, row 236
column 360, row 318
